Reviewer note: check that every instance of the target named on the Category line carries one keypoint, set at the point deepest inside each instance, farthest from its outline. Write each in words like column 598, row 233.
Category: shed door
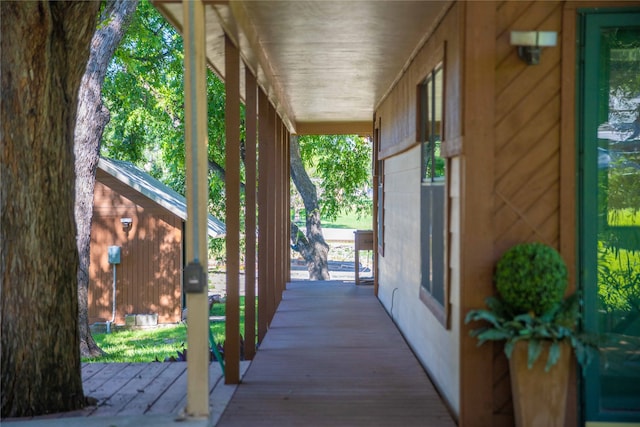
column 610, row 210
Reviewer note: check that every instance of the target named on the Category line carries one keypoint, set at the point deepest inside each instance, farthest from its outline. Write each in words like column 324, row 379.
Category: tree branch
column 91, row 119
column 313, row 248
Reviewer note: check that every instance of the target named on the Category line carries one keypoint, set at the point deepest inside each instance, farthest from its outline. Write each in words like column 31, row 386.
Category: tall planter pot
column 539, row 397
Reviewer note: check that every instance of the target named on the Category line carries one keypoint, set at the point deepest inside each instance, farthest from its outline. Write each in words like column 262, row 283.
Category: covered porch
column 298, row 68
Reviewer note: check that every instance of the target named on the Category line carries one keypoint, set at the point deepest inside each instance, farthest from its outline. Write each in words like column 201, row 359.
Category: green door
column 609, row 178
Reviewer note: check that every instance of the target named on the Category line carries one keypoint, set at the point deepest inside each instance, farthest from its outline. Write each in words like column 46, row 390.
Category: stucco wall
column 399, row 276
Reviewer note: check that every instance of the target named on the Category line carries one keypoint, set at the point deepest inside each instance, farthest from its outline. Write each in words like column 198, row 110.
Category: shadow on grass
column 157, row 344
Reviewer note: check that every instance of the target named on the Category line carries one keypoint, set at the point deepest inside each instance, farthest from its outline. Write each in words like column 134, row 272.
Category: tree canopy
column 144, row 91
column 341, row 164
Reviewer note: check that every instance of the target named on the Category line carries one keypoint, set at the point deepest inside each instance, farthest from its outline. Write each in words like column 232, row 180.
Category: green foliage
column 618, row 280
column 512, row 317
column 622, row 183
column 144, row 92
column 341, row 164
column 143, row 89
column 556, row 325
column 531, row 277
column 431, row 173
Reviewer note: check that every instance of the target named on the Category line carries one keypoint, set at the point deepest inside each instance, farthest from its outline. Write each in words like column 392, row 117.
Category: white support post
column 197, row 196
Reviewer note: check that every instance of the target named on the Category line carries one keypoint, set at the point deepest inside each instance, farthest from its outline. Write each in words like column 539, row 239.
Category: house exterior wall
column 512, row 149
column 527, row 150
column 399, row 277
column 399, row 281
column 148, row 278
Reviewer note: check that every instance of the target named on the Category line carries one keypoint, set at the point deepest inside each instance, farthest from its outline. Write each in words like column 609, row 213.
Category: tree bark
column 221, row 173
column 44, row 51
column 91, row 120
column 312, row 247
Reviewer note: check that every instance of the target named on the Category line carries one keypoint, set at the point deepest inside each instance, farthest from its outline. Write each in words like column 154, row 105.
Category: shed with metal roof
column 145, row 219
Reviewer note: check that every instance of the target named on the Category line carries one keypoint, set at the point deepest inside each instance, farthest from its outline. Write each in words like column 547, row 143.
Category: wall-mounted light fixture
column 530, row 44
column 126, row 224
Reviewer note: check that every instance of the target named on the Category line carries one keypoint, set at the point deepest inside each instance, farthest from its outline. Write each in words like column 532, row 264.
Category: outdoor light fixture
column 126, row 224
column 530, row 44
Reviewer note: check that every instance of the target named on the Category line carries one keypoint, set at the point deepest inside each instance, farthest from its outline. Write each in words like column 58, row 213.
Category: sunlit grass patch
column 149, row 345
column 141, row 345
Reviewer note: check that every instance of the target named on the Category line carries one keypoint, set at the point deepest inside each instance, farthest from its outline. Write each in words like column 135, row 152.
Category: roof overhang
column 325, row 65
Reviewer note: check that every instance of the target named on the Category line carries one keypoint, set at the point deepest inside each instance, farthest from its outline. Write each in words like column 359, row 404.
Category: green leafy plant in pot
column 534, row 319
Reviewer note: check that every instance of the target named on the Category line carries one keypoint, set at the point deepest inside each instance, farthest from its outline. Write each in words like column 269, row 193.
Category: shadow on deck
column 333, row 357
column 137, row 394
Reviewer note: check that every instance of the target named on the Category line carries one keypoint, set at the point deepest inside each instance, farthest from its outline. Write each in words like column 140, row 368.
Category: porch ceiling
column 324, row 64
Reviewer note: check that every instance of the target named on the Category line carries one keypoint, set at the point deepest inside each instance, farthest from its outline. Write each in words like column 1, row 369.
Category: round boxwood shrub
column 531, row 277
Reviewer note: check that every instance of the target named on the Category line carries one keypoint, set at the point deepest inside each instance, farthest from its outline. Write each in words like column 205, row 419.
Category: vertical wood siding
column 148, row 276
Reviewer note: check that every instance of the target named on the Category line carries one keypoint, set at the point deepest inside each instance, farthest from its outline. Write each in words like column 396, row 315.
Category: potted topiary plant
column 536, row 322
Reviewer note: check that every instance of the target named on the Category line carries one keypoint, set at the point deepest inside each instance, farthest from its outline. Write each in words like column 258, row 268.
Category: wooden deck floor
column 138, row 388
column 332, row 357
column 136, row 394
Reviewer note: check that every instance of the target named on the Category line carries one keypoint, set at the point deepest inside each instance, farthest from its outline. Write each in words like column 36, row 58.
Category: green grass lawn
column 149, row 345
column 349, row 220
column 141, row 345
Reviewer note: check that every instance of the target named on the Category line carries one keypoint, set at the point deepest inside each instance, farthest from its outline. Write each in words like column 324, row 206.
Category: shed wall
column 148, row 279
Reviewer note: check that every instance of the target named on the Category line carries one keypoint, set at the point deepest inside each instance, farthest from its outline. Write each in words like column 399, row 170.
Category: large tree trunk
column 44, row 51
column 92, row 118
column 312, row 246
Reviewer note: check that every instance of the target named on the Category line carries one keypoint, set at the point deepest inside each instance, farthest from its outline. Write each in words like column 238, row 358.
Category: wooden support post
column 250, row 220
column 284, row 208
column 277, row 203
column 263, row 250
column 232, row 190
column 287, row 193
column 273, row 208
column 375, row 167
column 268, row 215
column 476, row 362
column 197, row 201
column 271, row 212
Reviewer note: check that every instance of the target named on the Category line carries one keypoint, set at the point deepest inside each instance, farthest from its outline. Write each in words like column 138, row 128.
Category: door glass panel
column 618, row 218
